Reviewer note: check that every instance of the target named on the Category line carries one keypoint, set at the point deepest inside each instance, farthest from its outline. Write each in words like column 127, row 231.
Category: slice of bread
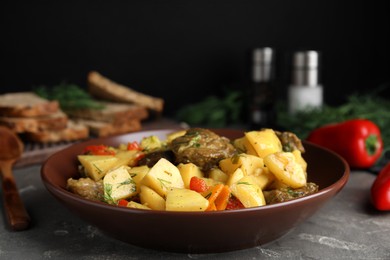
column 55, row 121
column 114, row 113
column 26, row 104
column 73, row 132
column 102, row 129
column 104, row 88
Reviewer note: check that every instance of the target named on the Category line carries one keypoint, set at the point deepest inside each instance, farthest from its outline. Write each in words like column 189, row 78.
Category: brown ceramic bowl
column 199, row 232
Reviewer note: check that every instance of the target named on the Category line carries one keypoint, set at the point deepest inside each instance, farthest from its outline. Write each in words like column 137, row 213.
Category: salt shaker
column 305, row 91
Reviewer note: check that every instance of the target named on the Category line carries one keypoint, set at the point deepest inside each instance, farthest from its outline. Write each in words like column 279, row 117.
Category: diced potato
column 126, row 158
column 175, row 135
column 286, row 169
column 264, row 180
column 244, row 145
column 248, row 192
column 218, row 175
column 250, row 164
column 277, row 185
column 136, row 205
column 300, row 160
column 138, row 173
column 264, row 142
column 236, row 176
column 230, row 165
column 151, row 143
column 151, row 199
column 162, row 177
column 210, row 182
column 187, row 171
column 185, row 200
column 239, row 144
column 118, row 184
column 96, row 166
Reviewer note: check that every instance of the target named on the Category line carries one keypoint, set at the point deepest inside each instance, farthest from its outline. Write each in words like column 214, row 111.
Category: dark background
column 185, row 50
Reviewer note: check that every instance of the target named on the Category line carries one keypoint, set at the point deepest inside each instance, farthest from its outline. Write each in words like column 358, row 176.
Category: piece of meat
column 290, row 141
column 152, row 158
column 286, row 194
column 202, row 147
column 86, row 188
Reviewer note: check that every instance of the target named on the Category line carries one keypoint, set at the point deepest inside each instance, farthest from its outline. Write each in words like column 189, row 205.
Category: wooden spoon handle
column 15, row 211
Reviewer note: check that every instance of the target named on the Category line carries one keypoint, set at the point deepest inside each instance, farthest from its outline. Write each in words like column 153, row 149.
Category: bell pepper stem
column 372, row 144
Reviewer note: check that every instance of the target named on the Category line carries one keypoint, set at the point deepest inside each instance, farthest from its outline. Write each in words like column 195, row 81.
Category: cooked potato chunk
column 138, row 173
column 136, row 205
column 244, row 145
column 248, row 192
column 185, row 200
column 286, row 169
column 218, row 175
column 163, row 176
column 125, row 158
column 151, row 143
column 264, row 180
column 175, row 135
column 118, row 184
column 151, row 199
column 249, row 164
column 264, row 142
column 236, row 176
column 187, row 171
column 300, row 160
column 96, row 166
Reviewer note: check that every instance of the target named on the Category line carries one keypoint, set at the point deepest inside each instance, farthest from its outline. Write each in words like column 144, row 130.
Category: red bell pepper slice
column 197, row 184
column 234, row 203
column 134, row 146
column 123, row 203
column 358, row 141
column 380, row 189
column 98, row 150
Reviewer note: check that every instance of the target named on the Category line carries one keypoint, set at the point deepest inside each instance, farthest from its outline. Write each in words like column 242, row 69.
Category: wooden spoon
column 11, row 149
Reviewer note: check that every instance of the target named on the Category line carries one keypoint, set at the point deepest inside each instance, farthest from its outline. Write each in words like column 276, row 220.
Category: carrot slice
column 222, row 200
column 211, row 207
column 215, row 191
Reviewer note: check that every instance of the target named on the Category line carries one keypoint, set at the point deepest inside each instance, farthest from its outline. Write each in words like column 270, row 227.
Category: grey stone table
column 346, row 228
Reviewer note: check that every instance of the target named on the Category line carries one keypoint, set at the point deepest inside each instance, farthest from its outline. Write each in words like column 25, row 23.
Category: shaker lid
column 262, row 59
column 262, row 55
column 306, row 59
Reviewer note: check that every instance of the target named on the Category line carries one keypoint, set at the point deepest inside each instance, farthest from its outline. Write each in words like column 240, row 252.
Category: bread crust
column 113, row 113
column 102, row 129
column 26, row 104
column 102, row 87
column 56, row 121
column 72, row 132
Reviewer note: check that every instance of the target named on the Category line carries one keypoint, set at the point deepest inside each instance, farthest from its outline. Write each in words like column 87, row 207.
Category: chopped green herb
column 244, row 182
column 164, row 182
column 97, row 168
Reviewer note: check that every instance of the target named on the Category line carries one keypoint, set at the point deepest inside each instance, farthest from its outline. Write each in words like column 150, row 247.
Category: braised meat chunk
column 286, row 194
column 202, row 147
column 290, row 141
column 86, row 188
column 152, row 158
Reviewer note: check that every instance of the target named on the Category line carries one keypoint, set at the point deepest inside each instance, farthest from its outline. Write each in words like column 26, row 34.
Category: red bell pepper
column 123, row 203
column 99, row 150
column 133, row 146
column 197, row 184
column 380, row 189
column 358, row 141
column 234, row 203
